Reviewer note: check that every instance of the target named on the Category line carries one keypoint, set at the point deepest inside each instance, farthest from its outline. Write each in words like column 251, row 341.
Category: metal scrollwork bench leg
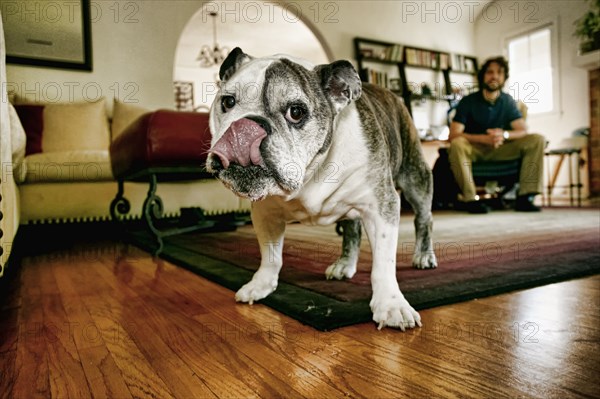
column 153, row 210
column 120, row 206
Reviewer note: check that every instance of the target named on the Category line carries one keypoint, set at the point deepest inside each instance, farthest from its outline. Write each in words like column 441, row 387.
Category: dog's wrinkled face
column 270, row 119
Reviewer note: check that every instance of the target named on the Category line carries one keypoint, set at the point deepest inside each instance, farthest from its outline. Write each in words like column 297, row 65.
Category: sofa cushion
column 32, row 119
column 75, row 126
column 123, row 115
column 68, row 166
column 161, row 138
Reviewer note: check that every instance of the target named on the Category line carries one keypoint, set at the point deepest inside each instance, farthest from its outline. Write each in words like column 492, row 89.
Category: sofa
column 60, row 167
column 61, row 171
column 67, row 174
column 56, row 166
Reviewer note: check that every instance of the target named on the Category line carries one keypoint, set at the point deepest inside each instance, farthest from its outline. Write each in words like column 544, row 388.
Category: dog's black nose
column 214, row 164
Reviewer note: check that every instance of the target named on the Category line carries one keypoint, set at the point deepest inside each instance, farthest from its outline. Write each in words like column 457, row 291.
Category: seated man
column 489, row 127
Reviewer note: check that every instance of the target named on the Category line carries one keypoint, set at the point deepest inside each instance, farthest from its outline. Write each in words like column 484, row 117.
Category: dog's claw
column 394, row 312
column 342, row 268
column 257, row 289
column 425, row 261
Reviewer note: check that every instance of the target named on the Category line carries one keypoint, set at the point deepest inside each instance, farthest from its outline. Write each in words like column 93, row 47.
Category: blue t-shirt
column 478, row 115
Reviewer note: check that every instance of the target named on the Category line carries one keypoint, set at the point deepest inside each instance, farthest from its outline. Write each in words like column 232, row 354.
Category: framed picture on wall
column 48, row 33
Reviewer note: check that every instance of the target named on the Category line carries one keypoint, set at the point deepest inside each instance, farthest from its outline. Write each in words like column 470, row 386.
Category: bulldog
column 314, row 144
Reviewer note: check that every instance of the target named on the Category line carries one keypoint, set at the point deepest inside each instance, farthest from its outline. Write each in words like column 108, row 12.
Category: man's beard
column 498, row 87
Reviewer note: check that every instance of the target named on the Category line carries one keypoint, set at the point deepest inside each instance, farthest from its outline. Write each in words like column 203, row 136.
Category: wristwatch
column 506, row 135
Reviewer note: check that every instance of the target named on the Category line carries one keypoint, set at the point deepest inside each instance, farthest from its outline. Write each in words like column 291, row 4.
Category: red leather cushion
column 32, row 119
column 161, row 138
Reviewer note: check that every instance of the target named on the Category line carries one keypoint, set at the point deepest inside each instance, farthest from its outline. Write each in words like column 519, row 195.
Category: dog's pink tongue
column 240, row 143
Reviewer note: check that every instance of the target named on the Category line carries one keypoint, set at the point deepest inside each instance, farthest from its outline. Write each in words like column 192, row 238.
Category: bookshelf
column 386, row 64
column 378, row 63
column 464, row 64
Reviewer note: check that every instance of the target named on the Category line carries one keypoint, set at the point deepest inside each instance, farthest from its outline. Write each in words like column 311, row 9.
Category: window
column 532, row 76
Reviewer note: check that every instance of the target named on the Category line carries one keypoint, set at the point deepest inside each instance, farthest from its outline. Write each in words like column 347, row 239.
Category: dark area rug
column 479, row 256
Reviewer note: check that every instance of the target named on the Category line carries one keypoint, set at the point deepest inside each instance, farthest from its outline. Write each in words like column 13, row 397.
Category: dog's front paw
column 341, row 269
column 394, row 311
column 255, row 290
column 425, row 260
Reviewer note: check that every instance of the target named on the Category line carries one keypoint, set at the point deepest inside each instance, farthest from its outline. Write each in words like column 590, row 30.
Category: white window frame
column 553, row 26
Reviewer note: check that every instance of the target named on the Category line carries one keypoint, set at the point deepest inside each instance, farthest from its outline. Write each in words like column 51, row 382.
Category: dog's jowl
column 313, row 144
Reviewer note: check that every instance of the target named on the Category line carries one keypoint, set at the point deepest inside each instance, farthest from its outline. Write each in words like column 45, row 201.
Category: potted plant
column 587, row 28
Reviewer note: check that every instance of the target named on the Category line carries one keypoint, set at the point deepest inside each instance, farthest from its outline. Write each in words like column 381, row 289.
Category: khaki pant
column 530, row 149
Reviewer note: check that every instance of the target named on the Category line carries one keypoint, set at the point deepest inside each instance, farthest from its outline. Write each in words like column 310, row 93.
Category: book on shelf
column 391, row 53
column 444, row 61
column 426, row 58
column 376, row 77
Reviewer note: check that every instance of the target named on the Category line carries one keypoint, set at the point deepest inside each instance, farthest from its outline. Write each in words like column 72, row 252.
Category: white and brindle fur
column 354, row 146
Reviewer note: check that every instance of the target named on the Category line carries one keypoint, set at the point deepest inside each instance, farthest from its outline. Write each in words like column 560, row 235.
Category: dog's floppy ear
column 232, row 63
column 340, row 82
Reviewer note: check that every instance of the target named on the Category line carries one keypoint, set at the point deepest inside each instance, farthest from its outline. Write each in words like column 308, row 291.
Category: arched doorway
column 259, row 28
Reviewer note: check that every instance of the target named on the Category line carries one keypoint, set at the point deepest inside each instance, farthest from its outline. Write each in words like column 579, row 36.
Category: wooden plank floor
column 105, row 320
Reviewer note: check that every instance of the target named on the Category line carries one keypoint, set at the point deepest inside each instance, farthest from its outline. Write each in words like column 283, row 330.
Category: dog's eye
column 295, row 114
column 227, row 102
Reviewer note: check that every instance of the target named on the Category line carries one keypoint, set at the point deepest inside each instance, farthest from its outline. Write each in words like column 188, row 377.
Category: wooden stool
column 563, row 153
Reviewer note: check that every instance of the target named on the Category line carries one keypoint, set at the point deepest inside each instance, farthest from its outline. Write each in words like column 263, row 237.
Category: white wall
column 437, row 25
column 134, row 44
